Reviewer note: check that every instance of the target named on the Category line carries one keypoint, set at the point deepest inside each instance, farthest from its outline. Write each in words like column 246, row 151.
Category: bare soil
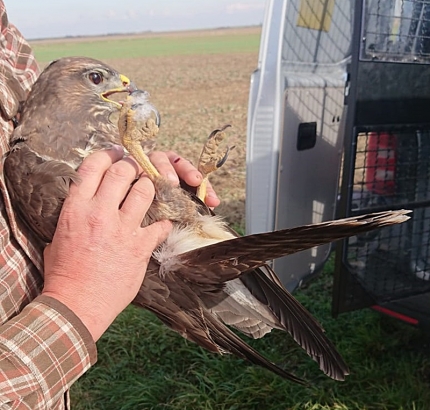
column 195, row 95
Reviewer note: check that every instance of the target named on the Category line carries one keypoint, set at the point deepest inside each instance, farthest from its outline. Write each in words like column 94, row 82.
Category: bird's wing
column 227, row 260
column 298, row 322
column 235, row 303
column 37, row 188
column 270, row 306
column 236, row 306
column 237, row 263
column 177, row 306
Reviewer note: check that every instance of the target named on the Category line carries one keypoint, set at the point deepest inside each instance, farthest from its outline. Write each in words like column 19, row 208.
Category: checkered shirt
column 44, row 347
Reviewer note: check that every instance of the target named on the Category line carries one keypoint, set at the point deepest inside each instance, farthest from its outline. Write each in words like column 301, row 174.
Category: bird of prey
column 203, row 279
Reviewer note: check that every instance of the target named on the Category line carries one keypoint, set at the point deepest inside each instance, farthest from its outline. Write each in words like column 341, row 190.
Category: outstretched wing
column 226, row 260
column 251, row 298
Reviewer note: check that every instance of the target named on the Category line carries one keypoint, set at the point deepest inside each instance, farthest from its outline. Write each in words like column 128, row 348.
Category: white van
column 339, row 125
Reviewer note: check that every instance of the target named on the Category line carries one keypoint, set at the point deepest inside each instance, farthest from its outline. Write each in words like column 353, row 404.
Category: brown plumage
column 50, row 142
column 203, row 278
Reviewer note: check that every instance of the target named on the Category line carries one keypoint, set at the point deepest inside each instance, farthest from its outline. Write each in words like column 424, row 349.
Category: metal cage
column 387, row 160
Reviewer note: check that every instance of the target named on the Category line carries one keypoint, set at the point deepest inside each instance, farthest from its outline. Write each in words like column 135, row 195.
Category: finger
column 92, row 170
column 184, row 169
column 116, row 182
column 137, row 202
column 161, row 161
column 211, row 199
column 47, row 251
column 155, row 234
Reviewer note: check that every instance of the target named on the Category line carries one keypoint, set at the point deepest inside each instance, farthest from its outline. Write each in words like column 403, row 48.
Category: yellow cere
column 124, row 79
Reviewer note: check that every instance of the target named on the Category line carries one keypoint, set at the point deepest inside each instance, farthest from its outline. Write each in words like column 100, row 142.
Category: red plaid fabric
column 44, row 347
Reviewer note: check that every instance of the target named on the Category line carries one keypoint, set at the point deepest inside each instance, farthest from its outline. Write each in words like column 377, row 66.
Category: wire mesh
column 392, row 170
column 317, row 33
column 396, row 30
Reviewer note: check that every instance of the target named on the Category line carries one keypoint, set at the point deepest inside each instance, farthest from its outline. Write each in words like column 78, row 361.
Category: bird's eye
column 96, row 78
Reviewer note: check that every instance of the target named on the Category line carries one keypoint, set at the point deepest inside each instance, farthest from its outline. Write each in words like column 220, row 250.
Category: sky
column 49, row 18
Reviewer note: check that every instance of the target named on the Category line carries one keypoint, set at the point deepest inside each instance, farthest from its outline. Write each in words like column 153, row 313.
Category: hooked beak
column 127, row 87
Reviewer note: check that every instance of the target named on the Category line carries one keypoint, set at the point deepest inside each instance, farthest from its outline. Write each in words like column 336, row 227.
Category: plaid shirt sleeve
column 44, row 347
column 43, row 351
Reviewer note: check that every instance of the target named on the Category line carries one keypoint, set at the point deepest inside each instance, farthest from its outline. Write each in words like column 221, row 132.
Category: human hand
column 97, row 260
column 172, row 166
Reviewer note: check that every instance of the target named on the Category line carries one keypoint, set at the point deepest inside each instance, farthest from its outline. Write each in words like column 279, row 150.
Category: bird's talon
column 222, row 161
column 210, row 160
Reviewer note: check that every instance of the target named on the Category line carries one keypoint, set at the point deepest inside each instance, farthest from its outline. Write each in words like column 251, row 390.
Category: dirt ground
column 196, row 94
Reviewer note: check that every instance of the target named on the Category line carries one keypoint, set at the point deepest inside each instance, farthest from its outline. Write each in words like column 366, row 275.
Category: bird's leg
column 133, row 134
column 138, row 129
column 211, row 159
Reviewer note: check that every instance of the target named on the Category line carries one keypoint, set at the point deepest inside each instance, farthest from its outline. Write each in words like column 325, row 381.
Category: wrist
column 92, row 312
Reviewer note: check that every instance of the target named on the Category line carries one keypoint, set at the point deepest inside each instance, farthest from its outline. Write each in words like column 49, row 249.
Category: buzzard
column 203, row 279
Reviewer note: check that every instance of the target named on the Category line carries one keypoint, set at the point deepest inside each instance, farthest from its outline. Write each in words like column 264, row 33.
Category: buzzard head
column 72, row 110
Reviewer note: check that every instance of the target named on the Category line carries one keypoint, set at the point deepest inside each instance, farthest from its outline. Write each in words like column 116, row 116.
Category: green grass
column 162, row 45
column 143, row 365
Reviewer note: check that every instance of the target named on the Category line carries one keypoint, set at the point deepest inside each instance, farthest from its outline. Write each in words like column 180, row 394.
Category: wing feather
column 178, row 307
column 227, row 260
